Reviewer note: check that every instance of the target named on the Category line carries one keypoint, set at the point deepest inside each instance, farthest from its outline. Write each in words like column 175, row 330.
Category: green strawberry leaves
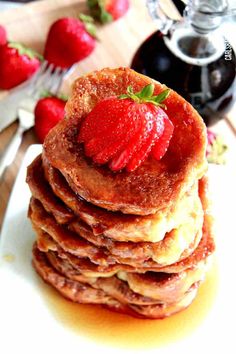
column 147, row 91
column 146, row 95
column 162, row 96
column 61, row 96
column 88, row 22
column 22, row 50
column 98, row 11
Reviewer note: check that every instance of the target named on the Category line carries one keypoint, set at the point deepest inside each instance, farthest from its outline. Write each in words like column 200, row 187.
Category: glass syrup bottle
column 192, row 56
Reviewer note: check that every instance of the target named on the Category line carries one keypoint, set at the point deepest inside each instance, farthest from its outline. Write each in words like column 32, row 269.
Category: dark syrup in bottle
column 210, row 88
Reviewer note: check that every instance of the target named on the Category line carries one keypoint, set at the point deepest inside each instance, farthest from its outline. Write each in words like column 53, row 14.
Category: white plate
column 30, row 324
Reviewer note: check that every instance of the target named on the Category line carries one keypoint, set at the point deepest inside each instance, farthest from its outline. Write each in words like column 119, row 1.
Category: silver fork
column 48, row 78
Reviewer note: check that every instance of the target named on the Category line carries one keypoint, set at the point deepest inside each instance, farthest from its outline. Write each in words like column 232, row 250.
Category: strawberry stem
column 98, row 11
column 88, row 22
column 46, row 93
column 22, row 50
column 146, row 95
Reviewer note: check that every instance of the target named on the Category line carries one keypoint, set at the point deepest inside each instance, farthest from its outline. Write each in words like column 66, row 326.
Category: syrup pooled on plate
column 81, row 319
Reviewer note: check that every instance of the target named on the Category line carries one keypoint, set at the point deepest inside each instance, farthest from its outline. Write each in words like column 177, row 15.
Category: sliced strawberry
column 99, row 144
column 3, row 36
column 161, row 146
column 102, row 120
column 135, row 144
column 97, row 121
column 143, row 152
column 105, row 155
column 110, row 127
column 91, row 146
column 122, row 158
column 153, row 128
column 123, row 130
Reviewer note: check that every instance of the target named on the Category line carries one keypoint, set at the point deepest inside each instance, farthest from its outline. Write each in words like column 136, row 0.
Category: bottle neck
column 205, row 16
column 196, row 37
column 193, row 47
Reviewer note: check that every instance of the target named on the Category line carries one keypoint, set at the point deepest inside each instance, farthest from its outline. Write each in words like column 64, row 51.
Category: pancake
column 68, row 288
column 87, row 265
column 115, row 225
column 154, row 187
column 82, row 264
column 166, row 287
column 112, row 285
column 166, row 310
column 41, row 190
column 136, row 242
column 84, row 293
column 99, row 259
column 177, row 244
column 127, row 287
column 67, row 240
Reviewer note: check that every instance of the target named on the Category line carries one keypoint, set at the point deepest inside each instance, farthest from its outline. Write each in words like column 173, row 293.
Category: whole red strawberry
column 69, row 41
column 108, row 10
column 3, row 36
column 17, row 64
column 48, row 112
column 124, row 130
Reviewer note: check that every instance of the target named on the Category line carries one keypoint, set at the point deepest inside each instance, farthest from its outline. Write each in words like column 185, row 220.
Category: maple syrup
column 192, row 57
column 209, row 88
column 118, row 330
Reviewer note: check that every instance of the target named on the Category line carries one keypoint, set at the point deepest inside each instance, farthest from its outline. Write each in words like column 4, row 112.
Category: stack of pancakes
column 136, row 242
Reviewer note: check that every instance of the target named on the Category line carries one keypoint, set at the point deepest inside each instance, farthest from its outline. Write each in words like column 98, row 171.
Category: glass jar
column 192, row 56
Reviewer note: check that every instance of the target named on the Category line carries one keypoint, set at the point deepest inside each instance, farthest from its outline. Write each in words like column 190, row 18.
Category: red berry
column 161, row 145
column 142, row 142
column 16, row 67
column 68, row 42
column 3, row 36
column 117, row 8
column 121, row 159
column 148, row 142
column 142, row 154
column 48, row 112
column 108, row 10
column 122, row 131
column 115, row 120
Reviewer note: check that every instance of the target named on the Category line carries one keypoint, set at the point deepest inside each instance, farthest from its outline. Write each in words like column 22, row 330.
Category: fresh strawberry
column 3, row 36
column 123, row 131
column 141, row 155
column 70, row 40
column 161, row 145
column 108, row 10
column 117, row 151
column 141, row 142
column 17, row 64
column 48, row 112
column 117, row 8
column 109, row 131
column 148, row 142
